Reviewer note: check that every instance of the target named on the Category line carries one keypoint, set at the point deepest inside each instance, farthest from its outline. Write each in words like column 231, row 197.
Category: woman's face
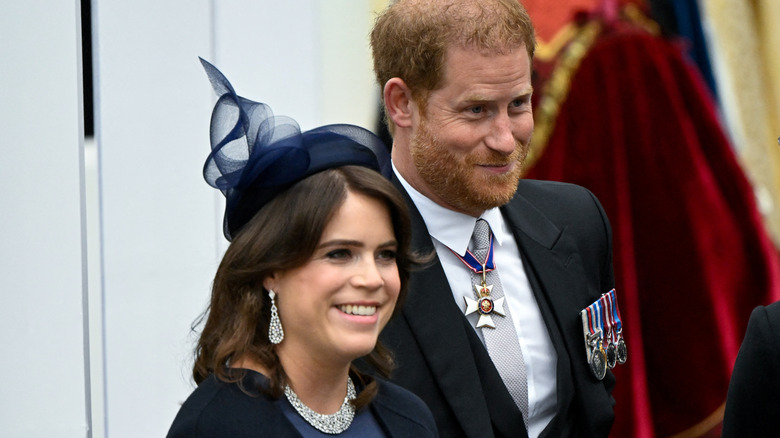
column 333, row 307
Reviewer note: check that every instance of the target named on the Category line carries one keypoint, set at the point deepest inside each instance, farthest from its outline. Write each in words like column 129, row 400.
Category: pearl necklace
column 331, row 424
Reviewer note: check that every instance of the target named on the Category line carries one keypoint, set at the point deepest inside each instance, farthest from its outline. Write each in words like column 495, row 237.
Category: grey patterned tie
column 501, row 342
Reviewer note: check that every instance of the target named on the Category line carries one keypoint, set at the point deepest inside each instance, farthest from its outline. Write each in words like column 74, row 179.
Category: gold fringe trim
column 579, row 40
column 557, row 88
column 546, row 52
column 636, row 16
column 705, row 426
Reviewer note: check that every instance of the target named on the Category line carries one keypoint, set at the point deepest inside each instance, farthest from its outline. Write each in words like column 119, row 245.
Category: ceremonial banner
column 620, row 111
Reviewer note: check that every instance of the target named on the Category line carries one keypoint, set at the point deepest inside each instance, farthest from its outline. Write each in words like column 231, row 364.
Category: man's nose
column 502, row 138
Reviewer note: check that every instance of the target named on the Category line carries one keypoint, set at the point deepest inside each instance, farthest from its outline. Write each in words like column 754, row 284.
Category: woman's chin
column 356, row 348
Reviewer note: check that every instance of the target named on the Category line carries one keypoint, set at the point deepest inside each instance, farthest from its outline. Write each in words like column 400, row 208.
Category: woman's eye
column 339, row 254
column 387, row 254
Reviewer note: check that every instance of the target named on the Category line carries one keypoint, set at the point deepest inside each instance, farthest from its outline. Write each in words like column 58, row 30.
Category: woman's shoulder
column 403, row 411
column 218, row 408
column 199, row 406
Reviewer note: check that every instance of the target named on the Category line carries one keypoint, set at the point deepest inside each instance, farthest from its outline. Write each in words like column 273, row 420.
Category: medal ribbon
column 595, row 313
column 593, row 318
column 608, row 321
column 600, row 317
column 471, row 261
column 589, row 311
column 615, row 311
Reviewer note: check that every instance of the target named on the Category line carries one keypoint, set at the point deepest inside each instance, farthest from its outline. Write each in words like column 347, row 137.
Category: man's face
column 469, row 143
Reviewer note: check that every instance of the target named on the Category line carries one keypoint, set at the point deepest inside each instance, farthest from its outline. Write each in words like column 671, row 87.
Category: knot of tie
column 480, row 238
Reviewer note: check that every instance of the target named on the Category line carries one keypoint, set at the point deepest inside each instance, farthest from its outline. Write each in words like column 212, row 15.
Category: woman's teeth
column 358, row 310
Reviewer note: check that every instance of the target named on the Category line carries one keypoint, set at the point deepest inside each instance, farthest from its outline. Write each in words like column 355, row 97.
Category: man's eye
column 521, row 102
column 477, row 109
column 517, row 103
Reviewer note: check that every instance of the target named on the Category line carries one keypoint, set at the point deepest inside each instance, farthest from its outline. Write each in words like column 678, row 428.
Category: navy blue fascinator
column 256, row 155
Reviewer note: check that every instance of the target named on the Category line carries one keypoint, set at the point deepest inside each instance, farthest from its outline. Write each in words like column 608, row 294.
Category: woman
column 319, row 258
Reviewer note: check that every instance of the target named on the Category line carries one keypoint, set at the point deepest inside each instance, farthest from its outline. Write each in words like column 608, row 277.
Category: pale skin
column 480, row 113
column 353, row 265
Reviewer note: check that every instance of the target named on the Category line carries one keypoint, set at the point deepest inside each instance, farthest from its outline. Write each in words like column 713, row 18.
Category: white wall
column 155, row 252
column 161, row 236
column 158, row 216
column 43, row 385
column 307, row 59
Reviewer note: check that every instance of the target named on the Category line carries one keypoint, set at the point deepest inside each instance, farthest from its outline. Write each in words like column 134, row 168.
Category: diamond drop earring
column 275, row 331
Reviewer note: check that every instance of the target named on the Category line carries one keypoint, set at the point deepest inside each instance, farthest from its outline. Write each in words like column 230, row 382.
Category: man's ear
column 398, row 102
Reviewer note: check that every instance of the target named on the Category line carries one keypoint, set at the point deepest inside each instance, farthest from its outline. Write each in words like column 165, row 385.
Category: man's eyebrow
column 476, row 98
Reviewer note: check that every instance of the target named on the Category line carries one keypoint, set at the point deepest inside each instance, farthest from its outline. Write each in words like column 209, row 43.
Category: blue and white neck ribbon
column 471, row 261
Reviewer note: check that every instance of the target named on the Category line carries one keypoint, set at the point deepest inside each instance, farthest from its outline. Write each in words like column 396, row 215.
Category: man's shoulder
column 773, row 312
column 539, row 204
column 541, row 188
column 552, row 196
column 766, row 319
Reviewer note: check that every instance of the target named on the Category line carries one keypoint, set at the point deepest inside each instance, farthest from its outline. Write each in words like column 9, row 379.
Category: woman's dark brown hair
column 281, row 236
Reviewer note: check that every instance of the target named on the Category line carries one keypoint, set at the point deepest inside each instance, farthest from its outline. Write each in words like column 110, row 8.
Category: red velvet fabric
column 691, row 257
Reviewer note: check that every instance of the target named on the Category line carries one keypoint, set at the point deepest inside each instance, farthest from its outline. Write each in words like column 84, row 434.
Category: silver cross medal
column 484, row 304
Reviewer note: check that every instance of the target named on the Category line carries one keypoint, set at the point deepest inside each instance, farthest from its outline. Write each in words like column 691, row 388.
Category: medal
column 484, row 304
column 611, row 355
column 598, row 359
column 622, row 352
column 611, row 350
column 593, row 331
column 592, row 320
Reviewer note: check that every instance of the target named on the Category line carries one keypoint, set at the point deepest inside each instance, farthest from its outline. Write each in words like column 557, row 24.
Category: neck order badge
column 484, row 304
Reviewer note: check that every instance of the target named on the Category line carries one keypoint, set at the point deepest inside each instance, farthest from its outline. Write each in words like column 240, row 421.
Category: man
column 494, row 349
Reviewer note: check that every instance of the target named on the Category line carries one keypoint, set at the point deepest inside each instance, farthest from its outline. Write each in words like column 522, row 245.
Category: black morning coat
column 565, row 242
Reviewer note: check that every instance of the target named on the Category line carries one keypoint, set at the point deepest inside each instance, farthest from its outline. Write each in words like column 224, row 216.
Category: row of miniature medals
column 603, row 332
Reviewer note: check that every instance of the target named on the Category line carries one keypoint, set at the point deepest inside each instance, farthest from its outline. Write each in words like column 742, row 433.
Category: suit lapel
column 554, row 260
column 430, row 311
column 556, row 271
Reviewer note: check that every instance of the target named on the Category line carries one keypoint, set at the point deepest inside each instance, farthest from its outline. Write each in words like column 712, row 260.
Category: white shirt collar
column 449, row 227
